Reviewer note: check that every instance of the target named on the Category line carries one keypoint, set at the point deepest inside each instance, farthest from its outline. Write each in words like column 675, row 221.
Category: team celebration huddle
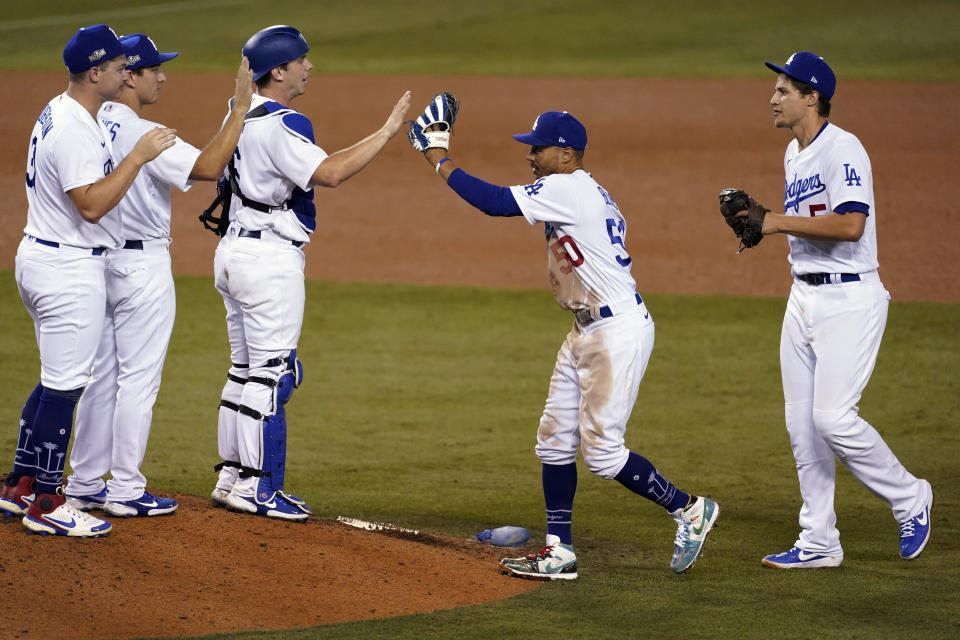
column 93, row 270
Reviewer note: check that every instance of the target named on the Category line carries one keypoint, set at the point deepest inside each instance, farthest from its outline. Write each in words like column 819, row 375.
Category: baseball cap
column 90, row 46
column 141, row 52
column 810, row 68
column 555, row 129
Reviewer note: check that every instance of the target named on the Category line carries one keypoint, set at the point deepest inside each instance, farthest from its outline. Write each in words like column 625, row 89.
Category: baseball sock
column 559, row 487
column 25, row 463
column 51, row 433
column 640, row 476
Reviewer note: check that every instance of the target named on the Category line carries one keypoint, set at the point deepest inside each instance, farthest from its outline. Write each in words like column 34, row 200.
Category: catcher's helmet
column 272, row 47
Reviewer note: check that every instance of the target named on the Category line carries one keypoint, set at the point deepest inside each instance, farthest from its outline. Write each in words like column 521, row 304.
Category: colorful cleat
column 51, row 515
column 88, row 502
column 915, row 532
column 279, row 505
column 554, row 562
column 17, row 495
column 145, row 505
column 800, row 559
column 693, row 525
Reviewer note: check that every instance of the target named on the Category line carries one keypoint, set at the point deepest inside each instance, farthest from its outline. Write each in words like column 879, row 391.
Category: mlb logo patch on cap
column 809, row 68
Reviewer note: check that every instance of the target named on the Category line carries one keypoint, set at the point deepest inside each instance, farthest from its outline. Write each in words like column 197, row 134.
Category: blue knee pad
column 290, row 379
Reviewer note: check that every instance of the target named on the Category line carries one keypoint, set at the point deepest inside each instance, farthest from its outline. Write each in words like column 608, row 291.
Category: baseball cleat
column 277, row 506
column 17, row 495
column 51, row 515
column 88, row 502
column 553, row 562
column 693, row 525
column 145, row 505
column 219, row 497
column 915, row 532
column 800, row 559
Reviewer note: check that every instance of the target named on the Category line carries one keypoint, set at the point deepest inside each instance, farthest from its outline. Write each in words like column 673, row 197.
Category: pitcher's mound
column 204, row 570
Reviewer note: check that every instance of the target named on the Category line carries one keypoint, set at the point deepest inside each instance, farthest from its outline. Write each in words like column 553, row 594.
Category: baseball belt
column 585, row 318
column 817, row 279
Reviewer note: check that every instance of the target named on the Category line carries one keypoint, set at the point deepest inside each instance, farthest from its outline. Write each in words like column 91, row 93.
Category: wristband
column 440, row 163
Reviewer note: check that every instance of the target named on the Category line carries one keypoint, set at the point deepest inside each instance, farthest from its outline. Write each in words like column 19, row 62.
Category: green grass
column 420, row 407
column 878, row 39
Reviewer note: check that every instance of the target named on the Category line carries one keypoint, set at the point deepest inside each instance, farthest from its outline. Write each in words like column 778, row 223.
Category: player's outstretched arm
column 215, row 156
column 846, row 227
column 348, row 162
column 93, row 201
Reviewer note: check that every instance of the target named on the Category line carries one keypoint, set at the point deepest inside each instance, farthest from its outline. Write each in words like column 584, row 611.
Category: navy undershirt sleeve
column 489, row 198
column 849, row 207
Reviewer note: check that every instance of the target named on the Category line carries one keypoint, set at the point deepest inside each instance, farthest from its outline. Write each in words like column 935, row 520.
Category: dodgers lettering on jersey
column 68, row 149
column 587, row 260
column 834, row 169
column 275, row 160
column 145, row 209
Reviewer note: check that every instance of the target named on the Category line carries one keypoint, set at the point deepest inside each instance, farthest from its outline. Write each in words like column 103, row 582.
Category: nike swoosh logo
column 551, row 566
column 922, row 518
column 152, row 503
column 803, row 555
column 103, row 144
column 646, row 316
column 269, row 505
column 67, row 525
column 699, row 526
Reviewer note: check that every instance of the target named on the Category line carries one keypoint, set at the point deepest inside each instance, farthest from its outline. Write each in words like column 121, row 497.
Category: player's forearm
column 348, row 162
column 93, row 201
column 215, row 156
column 832, row 226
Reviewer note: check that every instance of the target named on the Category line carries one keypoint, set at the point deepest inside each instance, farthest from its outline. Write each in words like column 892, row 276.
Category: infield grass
column 420, row 407
column 867, row 39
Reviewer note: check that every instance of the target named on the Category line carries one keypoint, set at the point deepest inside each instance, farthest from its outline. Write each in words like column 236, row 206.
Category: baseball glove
column 749, row 227
column 442, row 111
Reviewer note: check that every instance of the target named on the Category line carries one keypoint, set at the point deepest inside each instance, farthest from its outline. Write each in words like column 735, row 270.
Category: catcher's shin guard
column 227, row 425
column 273, row 425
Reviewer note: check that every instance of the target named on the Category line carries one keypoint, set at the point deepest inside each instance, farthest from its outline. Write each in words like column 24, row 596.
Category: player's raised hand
column 244, row 92
column 152, row 143
column 392, row 125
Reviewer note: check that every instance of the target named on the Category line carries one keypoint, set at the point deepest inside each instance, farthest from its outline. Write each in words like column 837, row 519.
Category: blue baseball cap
column 90, row 46
column 141, row 52
column 555, row 129
column 809, row 68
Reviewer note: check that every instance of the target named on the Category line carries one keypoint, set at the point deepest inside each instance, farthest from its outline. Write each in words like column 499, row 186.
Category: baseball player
column 834, row 320
column 259, row 268
column 114, row 416
column 601, row 362
column 73, row 183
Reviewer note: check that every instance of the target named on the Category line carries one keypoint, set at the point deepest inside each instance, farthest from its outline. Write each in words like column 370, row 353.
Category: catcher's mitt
column 442, row 111
column 748, row 227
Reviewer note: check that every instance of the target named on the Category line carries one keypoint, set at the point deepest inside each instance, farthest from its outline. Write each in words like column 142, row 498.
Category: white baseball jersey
column 832, row 170
column 274, row 161
column 587, row 261
column 68, row 149
column 145, row 208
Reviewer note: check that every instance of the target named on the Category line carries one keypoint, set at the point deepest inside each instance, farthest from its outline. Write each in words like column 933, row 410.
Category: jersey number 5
column 615, row 229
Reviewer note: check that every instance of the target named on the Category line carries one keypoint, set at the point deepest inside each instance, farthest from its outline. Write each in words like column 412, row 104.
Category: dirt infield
column 663, row 148
column 175, row 576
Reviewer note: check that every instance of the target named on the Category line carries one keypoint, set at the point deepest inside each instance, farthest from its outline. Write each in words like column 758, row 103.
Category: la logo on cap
column 535, row 123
